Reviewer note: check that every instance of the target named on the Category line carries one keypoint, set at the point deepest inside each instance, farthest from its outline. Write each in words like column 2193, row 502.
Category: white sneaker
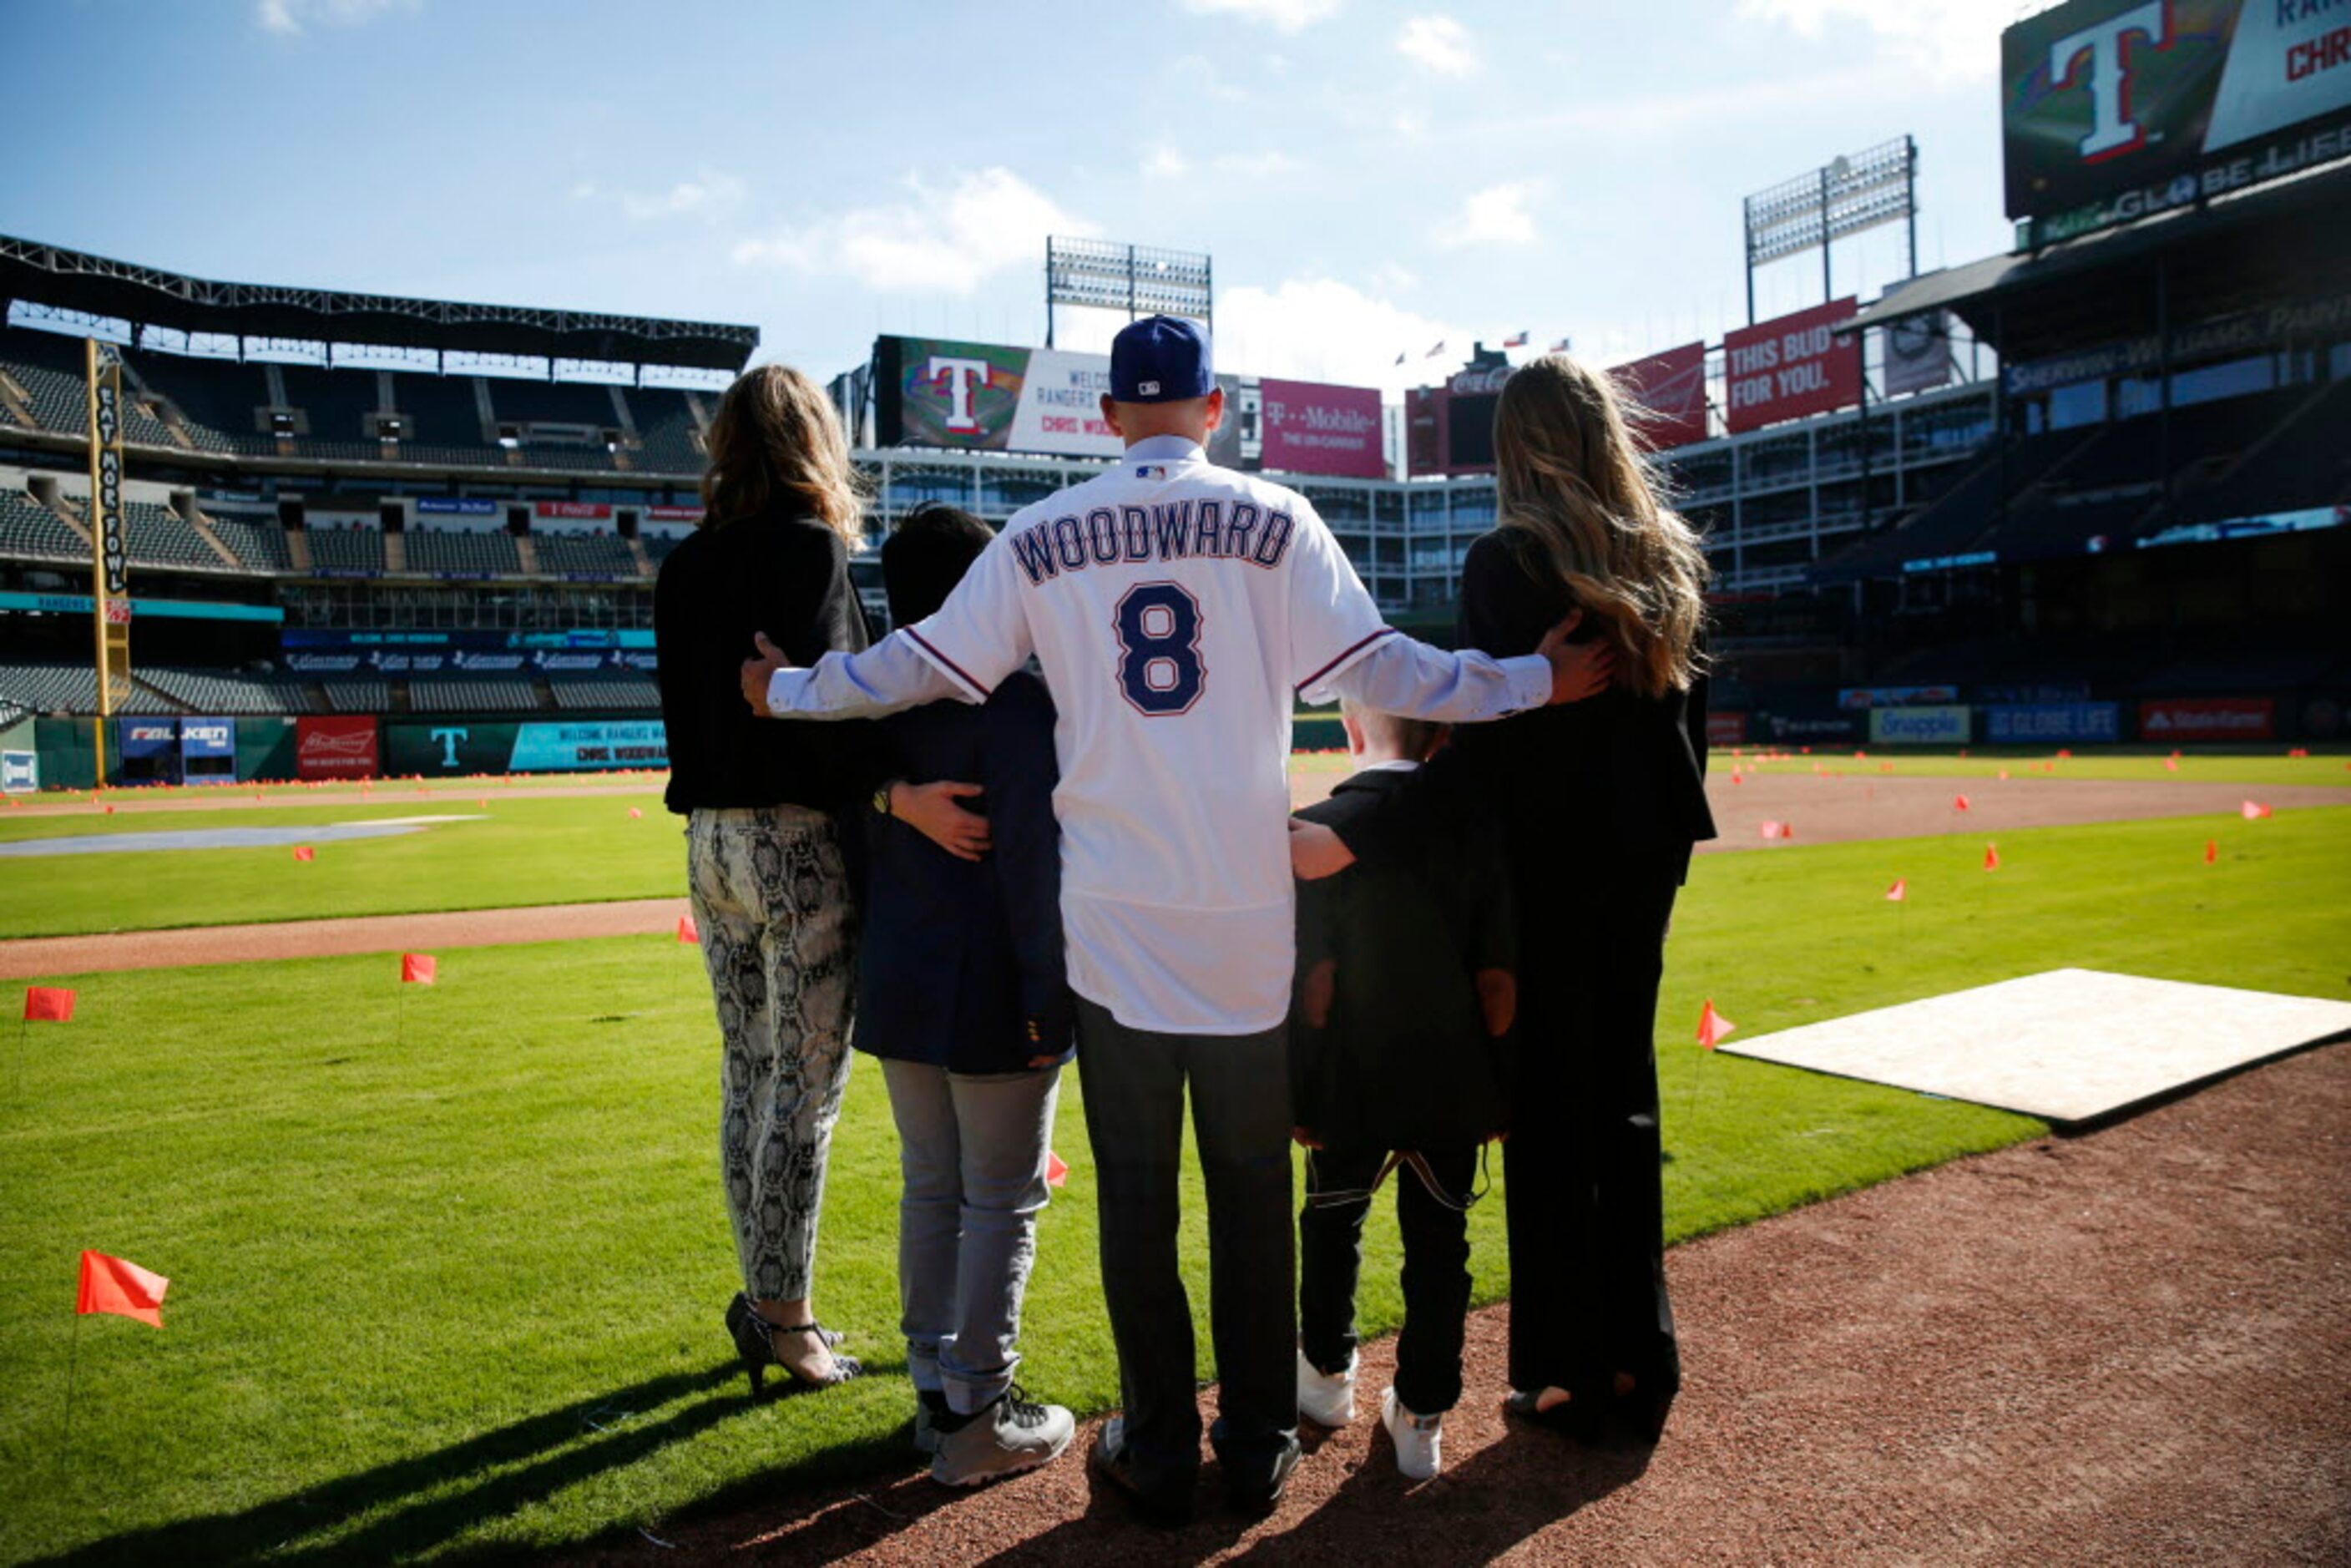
column 1416, row 1438
column 1326, row 1398
column 1014, row 1434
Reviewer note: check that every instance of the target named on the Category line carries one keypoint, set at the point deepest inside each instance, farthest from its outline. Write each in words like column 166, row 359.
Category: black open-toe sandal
column 1576, row 1417
column 755, row 1343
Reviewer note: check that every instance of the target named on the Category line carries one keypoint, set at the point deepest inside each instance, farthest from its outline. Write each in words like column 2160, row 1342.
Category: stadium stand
column 221, row 692
column 656, row 545
column 259, row 545
column 73, row 689
column 473, row 695
column 358, row 697
column 345, row 549
column 29, row 530
column 218, row 401
column 462, row 553
column 668, row 436
column 161, row 537
column 600, row 555
column 335, row 405
column 50, row 369
column 593, row 693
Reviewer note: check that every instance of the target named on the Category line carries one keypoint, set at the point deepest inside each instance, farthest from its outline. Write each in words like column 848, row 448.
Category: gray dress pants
column 1134, row 1083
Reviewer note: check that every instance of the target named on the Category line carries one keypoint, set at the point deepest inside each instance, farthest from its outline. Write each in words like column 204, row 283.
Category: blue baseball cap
column 1161, row 358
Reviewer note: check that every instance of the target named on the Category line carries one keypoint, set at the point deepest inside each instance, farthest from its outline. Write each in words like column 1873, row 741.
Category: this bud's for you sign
column 1792, row 366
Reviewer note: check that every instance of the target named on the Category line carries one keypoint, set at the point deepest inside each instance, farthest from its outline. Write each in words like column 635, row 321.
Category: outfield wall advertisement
column 1947, row 725
column 1792, row 366
column 2115, row 110
column 987, row 397
column 343, row 745
column 1670, row 387
column 2207, row 718
column 2018, row 723
column 460, row 746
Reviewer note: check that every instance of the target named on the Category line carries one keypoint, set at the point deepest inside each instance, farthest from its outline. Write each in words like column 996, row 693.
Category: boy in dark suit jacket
column 1399, row 1065
column 963, row 995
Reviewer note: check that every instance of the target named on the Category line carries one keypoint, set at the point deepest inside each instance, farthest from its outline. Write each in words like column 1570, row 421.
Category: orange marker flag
column 50, row 1004
column 2003, row 775
column 1959, row 803
column 119, row 1286
column 305, row 852
column 2171, row 765
column 1713, row 1029
column 418, row 968
column 1775, row 829
column 2211, row 850
column 686, row 931
column 634, row 812
column 1991, row 857
column 2254, row 810
column 1899, row 892
column 1057, row 1169
column 1735, row 778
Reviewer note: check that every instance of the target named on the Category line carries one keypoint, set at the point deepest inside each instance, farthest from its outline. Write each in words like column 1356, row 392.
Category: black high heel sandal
column 755, row 1343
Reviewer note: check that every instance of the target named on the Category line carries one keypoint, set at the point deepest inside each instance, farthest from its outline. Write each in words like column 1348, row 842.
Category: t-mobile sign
column 1792, row 366
column 1311, row 428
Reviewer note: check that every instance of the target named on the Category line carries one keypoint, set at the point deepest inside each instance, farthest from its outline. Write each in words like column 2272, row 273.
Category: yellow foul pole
column 107, row 551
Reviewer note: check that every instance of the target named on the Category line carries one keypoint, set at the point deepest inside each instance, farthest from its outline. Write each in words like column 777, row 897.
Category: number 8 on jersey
column 1159, row 667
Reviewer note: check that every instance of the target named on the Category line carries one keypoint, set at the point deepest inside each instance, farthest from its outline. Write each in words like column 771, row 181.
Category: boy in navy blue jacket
column 1399, row 1066
column 964, row 995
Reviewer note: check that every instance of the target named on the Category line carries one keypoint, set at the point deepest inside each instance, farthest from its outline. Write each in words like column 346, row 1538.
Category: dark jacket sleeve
column 1020, row 772
column 1503, row 614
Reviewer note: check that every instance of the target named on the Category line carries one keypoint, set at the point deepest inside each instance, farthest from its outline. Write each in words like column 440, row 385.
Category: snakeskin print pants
column 772, row 903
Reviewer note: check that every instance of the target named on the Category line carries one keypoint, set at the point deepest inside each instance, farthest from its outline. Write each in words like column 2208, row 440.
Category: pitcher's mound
column 2066, row 1046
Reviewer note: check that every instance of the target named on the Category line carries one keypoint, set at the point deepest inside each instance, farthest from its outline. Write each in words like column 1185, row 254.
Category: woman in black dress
column 1602, row 801
column 772, row 897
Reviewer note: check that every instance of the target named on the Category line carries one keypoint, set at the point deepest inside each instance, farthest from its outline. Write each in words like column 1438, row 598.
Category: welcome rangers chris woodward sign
column 2113, row 110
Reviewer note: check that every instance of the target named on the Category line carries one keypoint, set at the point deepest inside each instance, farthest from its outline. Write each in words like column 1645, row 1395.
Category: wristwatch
column 882, row 800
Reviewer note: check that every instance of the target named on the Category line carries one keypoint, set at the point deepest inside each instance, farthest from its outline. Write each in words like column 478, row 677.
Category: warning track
column 2125, row 1347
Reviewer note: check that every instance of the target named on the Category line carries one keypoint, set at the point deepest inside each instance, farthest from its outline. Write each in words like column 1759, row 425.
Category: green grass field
column 449, row 1283
column 2269, row 765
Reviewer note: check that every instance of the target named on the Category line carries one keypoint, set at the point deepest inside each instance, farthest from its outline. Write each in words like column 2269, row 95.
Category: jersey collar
column 1165, row 449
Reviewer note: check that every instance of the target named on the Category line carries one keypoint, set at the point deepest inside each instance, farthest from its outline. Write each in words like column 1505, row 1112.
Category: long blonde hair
column 1573, row 481
column 776, row 441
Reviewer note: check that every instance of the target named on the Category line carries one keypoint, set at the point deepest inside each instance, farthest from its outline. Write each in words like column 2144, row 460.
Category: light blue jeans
column 972, row 1150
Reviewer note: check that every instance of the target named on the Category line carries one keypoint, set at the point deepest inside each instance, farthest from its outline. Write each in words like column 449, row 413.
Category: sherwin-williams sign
column 2114, row 109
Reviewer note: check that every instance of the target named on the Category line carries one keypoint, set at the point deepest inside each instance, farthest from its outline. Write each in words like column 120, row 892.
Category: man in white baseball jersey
column 1177, row 610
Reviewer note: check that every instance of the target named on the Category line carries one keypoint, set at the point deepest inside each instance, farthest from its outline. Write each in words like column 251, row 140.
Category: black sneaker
column 1165, row 1504
column 1257, row 1488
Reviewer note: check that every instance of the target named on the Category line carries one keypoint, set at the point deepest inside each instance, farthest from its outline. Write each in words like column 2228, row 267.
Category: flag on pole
column 1435, row 349
column 1899, row 892
column 2211, row 850
column 686, row 931
column 1057, row 1170
column 1562, row 346
column 305, row 852
column 120, row 1286
column 50, row 1004
column 1991, row 857
column 418, row 968
column 1515, row 341
column 1713, row 1029
column 1400, row 356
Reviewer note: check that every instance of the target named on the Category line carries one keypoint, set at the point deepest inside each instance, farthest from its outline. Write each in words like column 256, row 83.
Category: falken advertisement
column 2114, row 109
column 985, row 397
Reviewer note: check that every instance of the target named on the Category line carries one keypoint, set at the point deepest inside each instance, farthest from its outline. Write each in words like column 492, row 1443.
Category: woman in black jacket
column 1602, row 801
column 771, row 897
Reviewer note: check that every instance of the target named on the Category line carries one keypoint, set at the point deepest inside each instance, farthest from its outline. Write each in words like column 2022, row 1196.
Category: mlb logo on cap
column 1161, row 358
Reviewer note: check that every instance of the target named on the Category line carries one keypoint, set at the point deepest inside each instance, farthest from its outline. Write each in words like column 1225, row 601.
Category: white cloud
column 710, row 194
column 1497, row 215
column 1164, row 162
column 1281, row 15
column 290, row 16
column 1437, row 44
column 939, row 240
column 1936, row 36
column 1318, row 329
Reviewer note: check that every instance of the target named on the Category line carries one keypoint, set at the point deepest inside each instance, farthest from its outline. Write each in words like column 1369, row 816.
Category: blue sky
column 1371, row 178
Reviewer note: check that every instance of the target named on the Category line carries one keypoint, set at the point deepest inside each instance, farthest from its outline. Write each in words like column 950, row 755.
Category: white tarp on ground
column 2066, row 1046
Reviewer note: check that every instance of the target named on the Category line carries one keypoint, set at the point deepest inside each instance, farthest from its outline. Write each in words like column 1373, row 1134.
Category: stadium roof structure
column 2271, row 242
column 146, row 296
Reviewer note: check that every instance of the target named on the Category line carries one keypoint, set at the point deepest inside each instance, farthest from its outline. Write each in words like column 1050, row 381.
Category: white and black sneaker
column 1013, row 1434
column 1326, row 1398
column 1418, row 1438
